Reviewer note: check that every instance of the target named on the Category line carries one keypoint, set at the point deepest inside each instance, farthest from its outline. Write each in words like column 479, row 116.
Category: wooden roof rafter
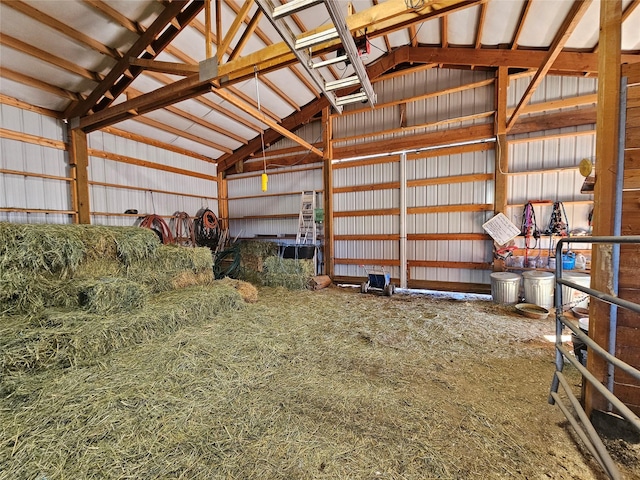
column 196, row 119
column 57, row 25
column 387, row 43
column 115, row 15
column 39, row 84
column 520, row 24
column 384, row 18
column 570, row 22
column 47, row 57
column 159, row 34
column 482, row 14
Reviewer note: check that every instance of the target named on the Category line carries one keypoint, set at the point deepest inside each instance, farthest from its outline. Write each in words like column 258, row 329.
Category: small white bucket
column 572, row 297
column 505, row 287
column 539, row 288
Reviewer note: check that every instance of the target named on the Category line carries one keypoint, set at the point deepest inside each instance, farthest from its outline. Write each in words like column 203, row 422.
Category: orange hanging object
column 265, row 180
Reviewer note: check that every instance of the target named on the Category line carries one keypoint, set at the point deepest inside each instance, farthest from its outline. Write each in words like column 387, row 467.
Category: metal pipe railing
column 587, row 432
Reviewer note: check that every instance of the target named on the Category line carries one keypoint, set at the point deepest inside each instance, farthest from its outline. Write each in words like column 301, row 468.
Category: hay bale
column 127, row 244
column 40, row 248
column 63, row 338
column 254, row 252
column 171, row 267
column 24, row 292
column 247, row 290
column 287, row 272
column 111, row 295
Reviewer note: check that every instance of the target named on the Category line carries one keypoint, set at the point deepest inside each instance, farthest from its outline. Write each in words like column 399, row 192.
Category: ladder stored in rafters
column 307, row 232
column 302, row 46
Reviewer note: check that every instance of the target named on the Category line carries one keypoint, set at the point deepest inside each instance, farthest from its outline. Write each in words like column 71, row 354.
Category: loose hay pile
column 313, row 385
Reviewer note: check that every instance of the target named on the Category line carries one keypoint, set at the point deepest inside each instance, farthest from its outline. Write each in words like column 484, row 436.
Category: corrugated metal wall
column 33, row 193
column 154, row 191
column 551, row 157
column 271, row 213
column 37, row 150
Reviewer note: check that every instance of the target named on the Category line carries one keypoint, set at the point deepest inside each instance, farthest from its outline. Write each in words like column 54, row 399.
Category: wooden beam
column 481, row 18
column 181, row 133
column 188, row 87
column 157, row 143
column 61, row 27
column 248, row 32
column 214, row 106
column 219, row 53
column 444, row 137
column 116, row 80
column 223, row 201
column 207, row 32
column 147, row 164
column 523, row 17
column 172, row 68
column 115, row 15
column 578, row 101
column 38, row 84
column 574, row 62
column 259, row 115
column 604, row 199
column 551, row 121
column 444, row 32
column 49, row 58
column 32, row 139
column 233, row 29
column 577, row 11
column 7, row 100
column 625, row 14
column 476, row 116
column 417, row 98
column 79, row 164
column 501, row 193
column 327, row 177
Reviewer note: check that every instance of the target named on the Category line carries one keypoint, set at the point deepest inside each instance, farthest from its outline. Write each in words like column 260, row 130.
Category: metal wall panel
column 551, row 186
column 552, row 87
column 443, row 107
column 107, row 199
column 290, row 182
column 29, row 192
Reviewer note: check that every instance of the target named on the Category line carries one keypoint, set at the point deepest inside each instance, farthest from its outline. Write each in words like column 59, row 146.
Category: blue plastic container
column 568, row 261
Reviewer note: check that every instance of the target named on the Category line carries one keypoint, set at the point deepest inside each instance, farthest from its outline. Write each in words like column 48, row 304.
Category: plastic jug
column 581, row 262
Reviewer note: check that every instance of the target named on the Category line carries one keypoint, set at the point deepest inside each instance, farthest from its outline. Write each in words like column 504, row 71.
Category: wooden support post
column 207, row 29
column 223, row 201
column 327, row 171
column 79, row 163
column 502, row 149
column 607, row 131
column 501, row 193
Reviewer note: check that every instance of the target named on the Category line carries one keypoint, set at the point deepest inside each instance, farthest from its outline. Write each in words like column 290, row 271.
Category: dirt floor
column 331, row 384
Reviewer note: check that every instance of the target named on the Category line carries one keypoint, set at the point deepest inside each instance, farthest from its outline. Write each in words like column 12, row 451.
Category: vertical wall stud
column 79, row 163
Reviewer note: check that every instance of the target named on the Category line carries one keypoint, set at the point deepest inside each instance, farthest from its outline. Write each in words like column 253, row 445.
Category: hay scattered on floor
column 248, row 292
column 314, row 385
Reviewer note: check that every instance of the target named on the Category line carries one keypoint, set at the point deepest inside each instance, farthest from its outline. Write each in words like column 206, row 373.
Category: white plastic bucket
column 539, row 288
column 505, row 287
column 572, row 297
